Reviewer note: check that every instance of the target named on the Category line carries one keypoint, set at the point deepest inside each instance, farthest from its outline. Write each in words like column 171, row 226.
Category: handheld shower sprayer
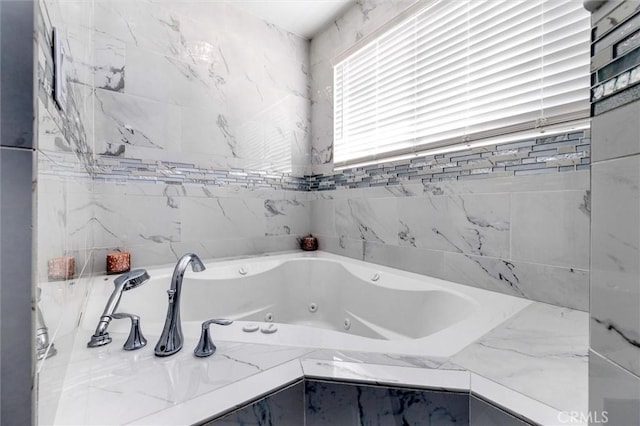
column 123, row 283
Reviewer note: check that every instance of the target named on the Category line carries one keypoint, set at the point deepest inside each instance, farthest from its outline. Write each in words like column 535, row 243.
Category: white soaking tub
column 314, row 300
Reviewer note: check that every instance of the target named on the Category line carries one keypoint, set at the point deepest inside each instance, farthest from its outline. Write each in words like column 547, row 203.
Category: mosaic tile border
column 110, row 169
column 615, row 58
column 551, row 154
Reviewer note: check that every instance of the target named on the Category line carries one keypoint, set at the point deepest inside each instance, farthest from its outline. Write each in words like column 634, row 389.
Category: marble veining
column 367, row 219
column 139, row 388
column 544, row 343
column 463, row 224
column 284, row 407
column 615, row 316
column 174, row 59
column 333, row 403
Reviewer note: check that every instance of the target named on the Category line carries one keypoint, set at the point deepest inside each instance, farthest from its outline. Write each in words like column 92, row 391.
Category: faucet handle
column 205, row 345
column 135, row 340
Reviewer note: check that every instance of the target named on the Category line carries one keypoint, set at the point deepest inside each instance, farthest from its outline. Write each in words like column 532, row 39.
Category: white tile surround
column 614, row 353
column 137, row 86
column 526, row 236
column 110, row 386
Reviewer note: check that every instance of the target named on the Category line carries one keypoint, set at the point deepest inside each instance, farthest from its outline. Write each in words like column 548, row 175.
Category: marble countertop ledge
column 534, row 365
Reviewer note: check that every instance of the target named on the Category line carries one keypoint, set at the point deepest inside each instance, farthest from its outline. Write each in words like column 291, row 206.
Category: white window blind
column 460, row 71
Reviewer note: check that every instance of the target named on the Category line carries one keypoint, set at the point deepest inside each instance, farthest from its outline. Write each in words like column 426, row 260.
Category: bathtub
column 315, row 300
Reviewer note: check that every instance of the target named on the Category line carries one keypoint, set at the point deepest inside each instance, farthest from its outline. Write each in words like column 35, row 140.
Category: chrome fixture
column 205, row 346
column 44, row 350
column 135, row 340
column 171, row 338
column 124, row 282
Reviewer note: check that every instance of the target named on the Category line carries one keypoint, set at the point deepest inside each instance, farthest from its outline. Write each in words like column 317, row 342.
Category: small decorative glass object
column 118, row 262
column 309, row 243
column 61, row 268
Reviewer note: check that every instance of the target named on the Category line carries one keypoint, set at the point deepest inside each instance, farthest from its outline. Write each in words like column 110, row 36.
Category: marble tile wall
column 614, row 370
column 525, row 236
column 362, row 19
column 201, row 121
column 64, row 142
column 178, row 136
column 320, row 403
column 524, row 231
column 199, row 83
column 284, row 407
column 336, row 403
column 157, row 223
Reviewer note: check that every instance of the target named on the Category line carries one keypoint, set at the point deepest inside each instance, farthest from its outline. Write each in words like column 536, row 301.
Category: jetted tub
column 315, row 300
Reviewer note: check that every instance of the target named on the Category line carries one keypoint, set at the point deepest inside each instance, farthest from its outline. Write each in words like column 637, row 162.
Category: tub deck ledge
column 535, row 365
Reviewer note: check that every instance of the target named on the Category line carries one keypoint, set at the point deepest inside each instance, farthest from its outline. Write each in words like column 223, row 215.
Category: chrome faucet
column 124, row 282
column 171, row 338
column 44, row 348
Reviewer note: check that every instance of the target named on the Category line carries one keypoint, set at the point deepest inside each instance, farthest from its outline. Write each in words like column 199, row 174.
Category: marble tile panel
column 170, row 80
column 322, row 133
column 559, row 286
column 392, row 375
column 224, row 218
column 360, row 20
column 613, row 392
column 367, row 219
column 206, row 131
column 278, row 134
column 473, row 224
column 412, row 259
column 528, row 409
column 284, row 407
column 130, row 220
column 123, row 124
column 149, row 254
column 321, row 80
column 339, row 194
column 78, row 51
column 551, row 228
column 108, row 62
column 481, row 413
column 376, row 358
column 333, row 403
column 322, row 217
column 180, row 384
column 299, row 121
column 550, row 341
column 51, row 222
column 528, row 183
column 144, row 25
column 286, row 217
column 615, row 262
column 79, row 213
column 218, row 248
column 270, row 244
column 615, row 133
column 344, row 246
column 50, row 137
column 236, row 393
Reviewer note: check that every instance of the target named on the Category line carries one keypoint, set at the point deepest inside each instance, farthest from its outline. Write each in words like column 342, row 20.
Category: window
column 461, row 71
